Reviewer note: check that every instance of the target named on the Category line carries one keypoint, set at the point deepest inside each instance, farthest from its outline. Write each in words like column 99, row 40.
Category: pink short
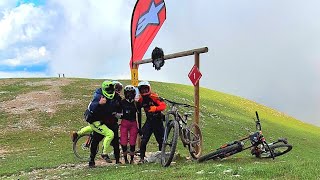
column 128, row 128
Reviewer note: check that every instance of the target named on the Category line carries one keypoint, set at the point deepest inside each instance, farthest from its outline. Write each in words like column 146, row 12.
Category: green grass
column 224, row 118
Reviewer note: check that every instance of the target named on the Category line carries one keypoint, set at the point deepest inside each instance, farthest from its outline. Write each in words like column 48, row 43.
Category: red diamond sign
column 194, row 75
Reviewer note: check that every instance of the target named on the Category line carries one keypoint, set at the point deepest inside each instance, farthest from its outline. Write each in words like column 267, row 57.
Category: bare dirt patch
column 3, row 152
column 26, row 124
column 26, row 105
column 66, row 169
column 8, row 81
column 43, row 101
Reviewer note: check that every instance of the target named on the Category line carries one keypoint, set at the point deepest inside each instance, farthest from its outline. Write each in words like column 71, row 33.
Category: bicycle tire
column 167, row 157
column 277, row 150
column 80, row 148
column 217, row 153
column 195, row 141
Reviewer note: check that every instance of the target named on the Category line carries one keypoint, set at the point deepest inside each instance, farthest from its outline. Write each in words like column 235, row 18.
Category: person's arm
column 161, row 105
column 138, row 107
column 118, row 104
column 95, row 102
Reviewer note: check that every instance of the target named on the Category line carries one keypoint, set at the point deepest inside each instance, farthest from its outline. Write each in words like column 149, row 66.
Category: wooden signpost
column 194, row 74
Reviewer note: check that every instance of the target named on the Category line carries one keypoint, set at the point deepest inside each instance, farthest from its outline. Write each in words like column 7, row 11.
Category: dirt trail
column 44, row 101
column 66, row 169
column 28, row 104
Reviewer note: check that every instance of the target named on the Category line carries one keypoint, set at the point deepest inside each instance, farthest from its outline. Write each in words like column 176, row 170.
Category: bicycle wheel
column 169, row 143
column 195, row 141
column 219, row 153
column 81, row 147
column 278, row 150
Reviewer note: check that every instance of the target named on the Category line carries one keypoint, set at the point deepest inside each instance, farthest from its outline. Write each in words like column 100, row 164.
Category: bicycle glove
column 152, row 109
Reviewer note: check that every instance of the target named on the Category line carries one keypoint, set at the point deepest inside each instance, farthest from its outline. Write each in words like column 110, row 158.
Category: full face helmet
column 117, row 86
column 108, row 89
column 144, row 88
column 129, row 93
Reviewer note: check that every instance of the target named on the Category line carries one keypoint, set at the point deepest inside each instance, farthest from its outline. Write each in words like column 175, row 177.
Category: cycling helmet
column 129, row 93
column 117, row 86
column 107, row 88
column 144, row 88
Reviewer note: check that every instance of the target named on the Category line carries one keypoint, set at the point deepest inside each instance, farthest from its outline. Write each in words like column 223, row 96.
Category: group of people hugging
column 108, row 107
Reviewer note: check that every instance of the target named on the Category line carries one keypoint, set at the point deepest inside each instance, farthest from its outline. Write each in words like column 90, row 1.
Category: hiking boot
column 92, row 164
column 142, row 161
column 118, row 162
column 106, row 158
column 126, row 161
column 74, row 136
column 137, row 152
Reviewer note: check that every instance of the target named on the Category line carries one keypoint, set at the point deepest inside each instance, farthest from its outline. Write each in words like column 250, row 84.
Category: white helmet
column 129, row 93
column 117, row 86
column 144, row 88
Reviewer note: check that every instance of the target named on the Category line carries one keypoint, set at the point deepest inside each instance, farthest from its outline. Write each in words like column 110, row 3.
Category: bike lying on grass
column 259, row 147
column 176, row 125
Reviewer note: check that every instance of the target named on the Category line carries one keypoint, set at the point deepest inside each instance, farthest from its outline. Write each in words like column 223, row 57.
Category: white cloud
column 28, row 56
column 6, row 4
column 23, row 24
column 93, row 38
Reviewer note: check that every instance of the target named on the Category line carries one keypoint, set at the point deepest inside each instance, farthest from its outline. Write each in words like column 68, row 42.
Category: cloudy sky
column 265, row 51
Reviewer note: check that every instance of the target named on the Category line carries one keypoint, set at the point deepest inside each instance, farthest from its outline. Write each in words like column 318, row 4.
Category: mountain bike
column 176, row 125
column 258, row 145
column 81, row 146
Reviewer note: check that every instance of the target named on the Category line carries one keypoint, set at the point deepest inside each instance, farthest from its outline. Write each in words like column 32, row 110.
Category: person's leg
column 124, row 138
column 96, row 138
column 132, row 149
column 133, row 130
column 115, row 142
column 158, row 130
column 106, row 132
column 125, row 153
column 124, row 132
column 84, row 130
column 146, row 134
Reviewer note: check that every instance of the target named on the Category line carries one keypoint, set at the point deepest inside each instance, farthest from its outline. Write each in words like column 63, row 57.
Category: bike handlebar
column 176, row 103
column 258, row 124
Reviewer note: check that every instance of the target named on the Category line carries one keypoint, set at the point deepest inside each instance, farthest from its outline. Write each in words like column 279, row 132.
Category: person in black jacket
column 153, row 107
column 112, row 121
column 99, row 110
column 131, row 110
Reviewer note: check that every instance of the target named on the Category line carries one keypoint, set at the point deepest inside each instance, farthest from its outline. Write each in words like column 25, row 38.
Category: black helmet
column 129, row 93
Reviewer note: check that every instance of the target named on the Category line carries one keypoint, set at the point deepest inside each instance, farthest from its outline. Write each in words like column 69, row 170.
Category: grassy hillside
column 37, row 115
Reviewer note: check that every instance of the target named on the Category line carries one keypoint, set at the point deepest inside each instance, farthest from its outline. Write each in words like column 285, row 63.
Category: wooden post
column 196, row 97
column 175, row 55
column 134, row 75
column 195, row 52
column 196, row 91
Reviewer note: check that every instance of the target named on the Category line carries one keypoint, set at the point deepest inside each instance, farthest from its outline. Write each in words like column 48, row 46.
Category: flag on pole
column 147, row 18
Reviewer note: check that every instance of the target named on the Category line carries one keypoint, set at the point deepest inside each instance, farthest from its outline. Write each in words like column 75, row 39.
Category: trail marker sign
column 194, row 75
column 134, row 77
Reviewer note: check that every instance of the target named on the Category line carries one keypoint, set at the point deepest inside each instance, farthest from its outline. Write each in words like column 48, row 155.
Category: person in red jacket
column 152, row 106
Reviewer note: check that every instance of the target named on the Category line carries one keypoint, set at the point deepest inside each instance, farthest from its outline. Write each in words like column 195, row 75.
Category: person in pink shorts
column 129, row 126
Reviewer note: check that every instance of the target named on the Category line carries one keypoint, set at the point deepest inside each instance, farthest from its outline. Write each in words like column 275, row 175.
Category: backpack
column 88, row 116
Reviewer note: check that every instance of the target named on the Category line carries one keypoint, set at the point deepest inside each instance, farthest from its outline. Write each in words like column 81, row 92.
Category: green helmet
column 108, row 89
